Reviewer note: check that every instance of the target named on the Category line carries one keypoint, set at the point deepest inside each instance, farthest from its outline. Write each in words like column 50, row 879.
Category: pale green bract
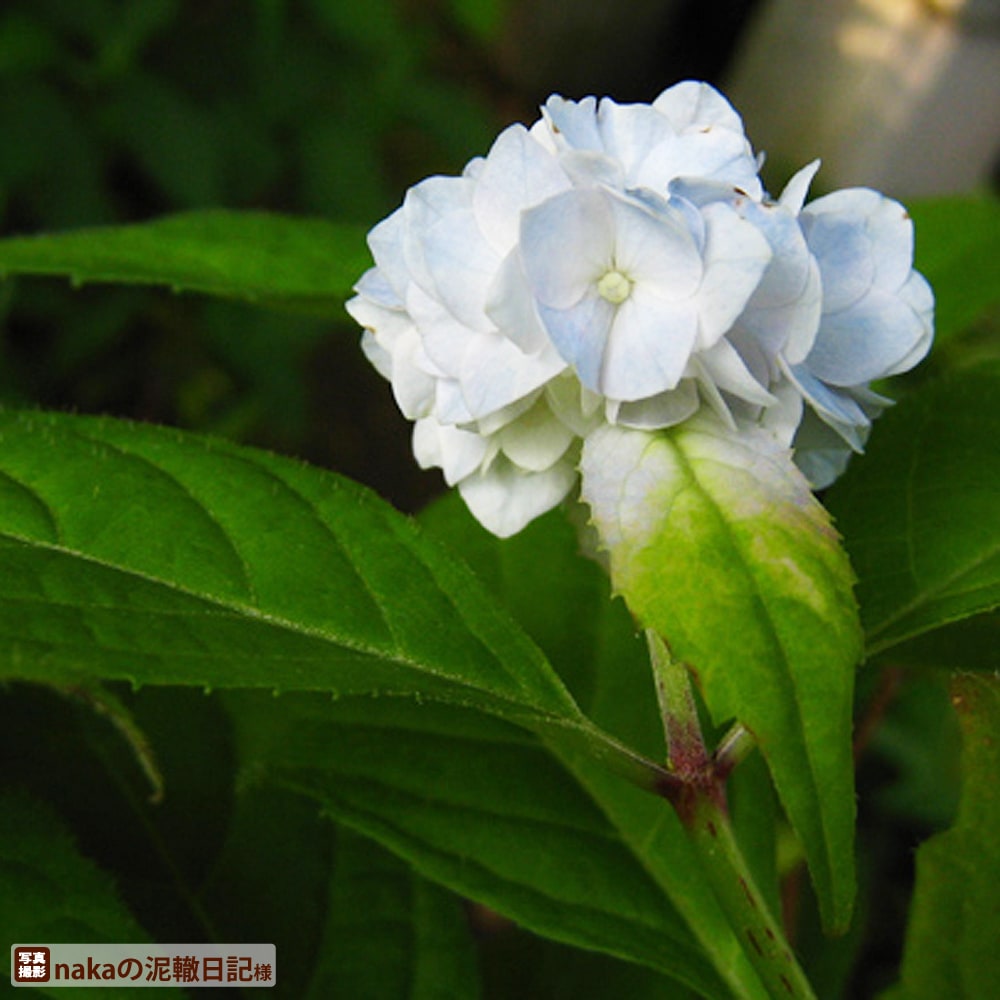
column 622, row 265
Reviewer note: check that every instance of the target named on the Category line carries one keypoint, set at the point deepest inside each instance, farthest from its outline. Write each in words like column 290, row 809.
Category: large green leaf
column 920, row 512
column 50, row 893
column 307, row 264
column 349, row 921
column 486, row 810
column 958, row 251
column 137, row 553
column 390, row 933
column 562, row 600
column 951, row 947
column 716, row 542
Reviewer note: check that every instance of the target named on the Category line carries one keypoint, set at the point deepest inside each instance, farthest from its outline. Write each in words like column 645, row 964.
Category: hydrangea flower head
column 623, row 264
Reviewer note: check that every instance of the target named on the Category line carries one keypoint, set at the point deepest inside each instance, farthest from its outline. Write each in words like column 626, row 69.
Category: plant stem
column 760, row 933
column 700, row 801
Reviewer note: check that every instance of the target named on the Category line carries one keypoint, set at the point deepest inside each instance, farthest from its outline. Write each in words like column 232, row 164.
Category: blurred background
column 115, row 111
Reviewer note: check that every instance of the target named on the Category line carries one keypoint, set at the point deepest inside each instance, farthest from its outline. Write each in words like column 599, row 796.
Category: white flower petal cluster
column 622, row 264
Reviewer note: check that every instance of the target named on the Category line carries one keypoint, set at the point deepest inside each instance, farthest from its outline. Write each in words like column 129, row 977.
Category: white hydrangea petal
column 573, row 404
column 517, row 174
column 374, row 286
column 573, row 123
column 504, row 498
column 843, row 251
column 655, row 250
column 783, row 314
column 537, row 440
column 425, row 204
column 794, row 195
column 445, row 338
column 580, row 335
column 462, row 265
column 868, row 341
column 566, row 245
column 694, row 105
column 497, row 372
column 735, row 257
column 918, row 295
column 839, row 410
column 456, row 452
column 724, row 367
column 663, row 410
column 510, row 305
column 386, row 245
column 820, row 452
column 648, row 346
column 783, row 417
column 719, row 156
column 377, row 355
column 630, row 132
column 493, row 422
column 449, row 402
column 886, row 224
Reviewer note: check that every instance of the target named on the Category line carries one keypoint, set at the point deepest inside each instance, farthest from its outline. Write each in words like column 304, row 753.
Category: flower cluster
column 623, row 264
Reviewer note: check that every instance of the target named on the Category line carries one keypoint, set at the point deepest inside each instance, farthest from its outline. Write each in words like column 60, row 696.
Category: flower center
column 614, row 287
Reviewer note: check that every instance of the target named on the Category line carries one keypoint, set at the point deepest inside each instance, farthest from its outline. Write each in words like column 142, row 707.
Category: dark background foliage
column 114, row 111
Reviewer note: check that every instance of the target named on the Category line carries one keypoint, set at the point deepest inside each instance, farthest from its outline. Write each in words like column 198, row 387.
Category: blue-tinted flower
column 622, row 264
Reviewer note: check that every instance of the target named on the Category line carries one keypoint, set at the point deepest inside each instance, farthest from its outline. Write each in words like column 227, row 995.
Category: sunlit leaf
column 716, row 542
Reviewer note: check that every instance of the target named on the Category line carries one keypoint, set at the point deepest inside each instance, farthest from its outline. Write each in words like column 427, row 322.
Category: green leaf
column 138, row 553
column 484, row 809
column 390, row 933
column 717, row 543
column 958, row 251
column 347, row 918
column 305, row 264
column 49, row 892
column 562, row 600
column 920, row 512
column 951, row 946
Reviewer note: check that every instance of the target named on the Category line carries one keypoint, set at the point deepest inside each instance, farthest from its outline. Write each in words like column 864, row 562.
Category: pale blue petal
column 784, row 311
column 462, row 265
column 386, row 244
column 566, row 245
column 655, row 250
column 580, row 335
column 867, row 341
column 837, row 409
column 918, row 295
column 517, row 174
column 648, row 347
column 843, row 249
column 736, row 255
